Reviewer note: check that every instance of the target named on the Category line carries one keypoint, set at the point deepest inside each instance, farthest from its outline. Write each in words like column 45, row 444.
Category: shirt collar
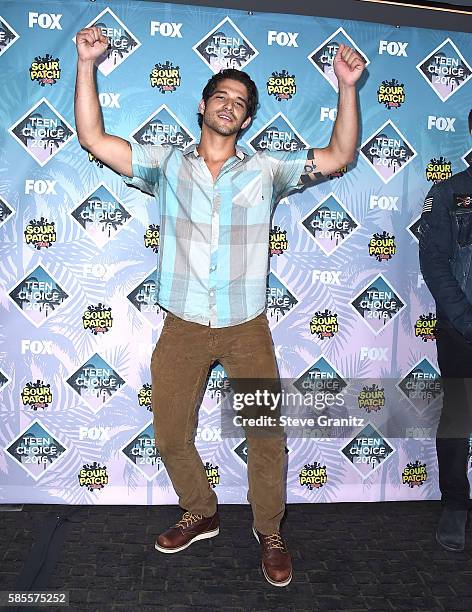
column 192, row 149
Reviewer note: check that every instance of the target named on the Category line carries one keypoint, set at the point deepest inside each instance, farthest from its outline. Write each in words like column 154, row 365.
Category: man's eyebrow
column 224, row 91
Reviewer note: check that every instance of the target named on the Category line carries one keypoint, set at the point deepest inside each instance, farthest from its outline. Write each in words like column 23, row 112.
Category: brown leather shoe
column 276, row 560
column 189, row 529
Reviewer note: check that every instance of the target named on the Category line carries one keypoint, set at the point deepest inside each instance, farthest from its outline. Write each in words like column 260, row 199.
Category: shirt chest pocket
column 462, row 220
column 249, row 189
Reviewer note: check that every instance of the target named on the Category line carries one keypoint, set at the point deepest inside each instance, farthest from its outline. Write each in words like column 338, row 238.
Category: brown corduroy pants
column 179, row 368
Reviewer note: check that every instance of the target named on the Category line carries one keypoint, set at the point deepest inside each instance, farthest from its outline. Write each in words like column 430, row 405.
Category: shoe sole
column 202, row 536
column 445, row 546
column 269, row 580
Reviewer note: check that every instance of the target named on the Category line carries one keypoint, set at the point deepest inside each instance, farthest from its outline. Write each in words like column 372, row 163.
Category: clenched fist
column 348, row 65
column 91, row 43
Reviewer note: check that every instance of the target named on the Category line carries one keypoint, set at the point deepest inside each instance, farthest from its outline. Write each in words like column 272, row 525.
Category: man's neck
column 215, row 148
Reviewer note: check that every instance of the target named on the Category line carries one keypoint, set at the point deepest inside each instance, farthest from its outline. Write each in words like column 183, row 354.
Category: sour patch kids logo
column 36, row 395
column 391, row 94
column 313, row 476
column 414, row 474
column 165, row 77
column 97, row 319
column 45, row 70
column 281, row 85
column 93, row 476
column 40, row 233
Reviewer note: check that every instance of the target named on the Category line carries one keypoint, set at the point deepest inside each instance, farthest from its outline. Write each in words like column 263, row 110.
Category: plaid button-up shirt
column 214, row 235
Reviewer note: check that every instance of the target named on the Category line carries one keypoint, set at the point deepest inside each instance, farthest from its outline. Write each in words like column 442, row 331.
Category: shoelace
column 275, row 541
column 188, row 519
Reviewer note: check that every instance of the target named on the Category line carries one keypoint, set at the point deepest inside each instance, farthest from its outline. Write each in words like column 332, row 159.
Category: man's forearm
column 88, row 116
column 343, row 141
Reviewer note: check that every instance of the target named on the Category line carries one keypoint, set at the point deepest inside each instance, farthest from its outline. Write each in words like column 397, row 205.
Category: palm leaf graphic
column 325, row 452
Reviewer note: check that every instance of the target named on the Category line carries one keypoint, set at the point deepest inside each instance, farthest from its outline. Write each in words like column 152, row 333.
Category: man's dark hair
column 470, row 120
column 235, row 75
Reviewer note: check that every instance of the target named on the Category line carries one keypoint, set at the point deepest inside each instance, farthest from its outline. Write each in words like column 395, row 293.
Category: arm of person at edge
column 113, row 151
column 348, row 66
column 436, row 253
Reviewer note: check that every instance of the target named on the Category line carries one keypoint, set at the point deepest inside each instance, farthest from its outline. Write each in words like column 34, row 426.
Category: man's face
column 225, row 110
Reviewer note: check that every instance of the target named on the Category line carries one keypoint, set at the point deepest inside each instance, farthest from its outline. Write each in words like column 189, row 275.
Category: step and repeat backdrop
column 347, row 305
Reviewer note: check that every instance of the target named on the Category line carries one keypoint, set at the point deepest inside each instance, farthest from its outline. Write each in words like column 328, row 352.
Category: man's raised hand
column 91, row 43
column 348, row 65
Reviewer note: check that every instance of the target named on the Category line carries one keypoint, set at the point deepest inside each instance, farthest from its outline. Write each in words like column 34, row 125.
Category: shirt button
column 212, row 293
column 213, row 268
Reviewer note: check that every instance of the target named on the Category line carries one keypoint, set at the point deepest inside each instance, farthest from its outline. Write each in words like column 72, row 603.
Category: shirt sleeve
column 286, row 169
column 146, row 161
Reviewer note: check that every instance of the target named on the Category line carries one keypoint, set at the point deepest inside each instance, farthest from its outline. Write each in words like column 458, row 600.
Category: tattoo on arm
column 309, row 174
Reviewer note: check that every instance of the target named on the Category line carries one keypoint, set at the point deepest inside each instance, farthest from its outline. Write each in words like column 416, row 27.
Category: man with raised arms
column 215, row 203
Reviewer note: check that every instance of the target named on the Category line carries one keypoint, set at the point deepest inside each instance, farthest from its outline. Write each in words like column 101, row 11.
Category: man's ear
column 247, row 121
column 201, row 107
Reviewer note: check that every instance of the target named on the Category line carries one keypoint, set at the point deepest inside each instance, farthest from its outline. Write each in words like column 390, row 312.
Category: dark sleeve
column 436, row 252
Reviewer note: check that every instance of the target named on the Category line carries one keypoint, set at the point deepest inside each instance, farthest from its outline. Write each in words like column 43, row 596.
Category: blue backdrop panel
column 346, row 300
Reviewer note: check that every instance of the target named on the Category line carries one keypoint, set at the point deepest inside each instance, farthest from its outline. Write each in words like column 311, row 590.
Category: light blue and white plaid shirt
column 214, row 235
